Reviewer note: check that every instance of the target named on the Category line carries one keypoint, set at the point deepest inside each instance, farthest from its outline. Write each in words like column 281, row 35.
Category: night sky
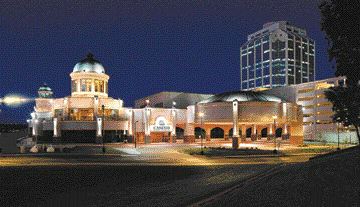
column 145, row 47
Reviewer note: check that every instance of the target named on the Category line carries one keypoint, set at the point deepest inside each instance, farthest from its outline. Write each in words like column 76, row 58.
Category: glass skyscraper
column 280, row 54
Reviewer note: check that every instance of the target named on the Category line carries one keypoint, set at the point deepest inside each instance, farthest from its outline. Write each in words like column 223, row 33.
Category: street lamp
column 135, row 133
column 201, row 115
column 274, row 132
column 103, row 128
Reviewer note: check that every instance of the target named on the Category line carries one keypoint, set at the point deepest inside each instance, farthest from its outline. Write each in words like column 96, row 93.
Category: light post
column 274, row 132
column 135, row 133
column 201, row 115
column 103, row 128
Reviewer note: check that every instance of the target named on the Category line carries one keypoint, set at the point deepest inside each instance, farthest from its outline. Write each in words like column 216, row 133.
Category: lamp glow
column 14, row 100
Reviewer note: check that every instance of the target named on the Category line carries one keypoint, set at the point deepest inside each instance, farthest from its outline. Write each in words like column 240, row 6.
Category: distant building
column 280, row 54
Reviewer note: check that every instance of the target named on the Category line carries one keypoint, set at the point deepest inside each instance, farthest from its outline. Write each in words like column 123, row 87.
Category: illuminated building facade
column 280, row 54
column 317, row 110
column 90, row 115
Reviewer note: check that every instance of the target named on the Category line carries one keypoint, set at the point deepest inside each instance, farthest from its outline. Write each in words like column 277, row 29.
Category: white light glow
column 13, row 100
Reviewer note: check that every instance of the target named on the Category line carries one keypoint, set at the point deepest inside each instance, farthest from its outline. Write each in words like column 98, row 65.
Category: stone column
column 99, row 128
column 235, row 138
column 226, row 133
column 243, row 133
column 56, row 130
column 253, row 132
column 271, row 132
column 285, row 132
column 173, row 120
column 189, row 136
column 78, row 82
column 130, row 122
column 66, row 108
column 147, row 114
column 34, row 126
column 259, row 128
column 207, row 133
column 96, row 106
column 92, row 85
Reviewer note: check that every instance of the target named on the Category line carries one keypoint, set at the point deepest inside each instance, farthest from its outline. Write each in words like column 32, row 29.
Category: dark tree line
column 341, row 24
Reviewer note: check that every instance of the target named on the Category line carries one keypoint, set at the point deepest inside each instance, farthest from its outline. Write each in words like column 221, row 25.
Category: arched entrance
column 278, row 132
column 179, row 133
column 217, row 132
column 264, row 132
column 199, row 132
column 248, row 132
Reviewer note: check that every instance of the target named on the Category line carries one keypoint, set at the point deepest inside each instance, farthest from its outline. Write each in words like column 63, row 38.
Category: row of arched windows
column 218, row 132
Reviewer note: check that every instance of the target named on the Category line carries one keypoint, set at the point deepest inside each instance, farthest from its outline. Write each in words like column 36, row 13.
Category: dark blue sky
column 145, row 47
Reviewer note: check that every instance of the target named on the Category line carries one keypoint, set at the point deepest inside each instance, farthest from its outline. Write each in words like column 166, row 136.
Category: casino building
column 90, row 115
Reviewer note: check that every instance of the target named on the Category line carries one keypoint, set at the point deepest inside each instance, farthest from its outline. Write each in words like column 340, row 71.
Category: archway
column 179, row 133
column 199, row 132
column 278, row 132
column 248, row 132
column 217, row 132
column 264, row 132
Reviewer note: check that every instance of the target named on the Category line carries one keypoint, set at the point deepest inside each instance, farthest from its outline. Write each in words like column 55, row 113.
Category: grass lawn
column 227, row 152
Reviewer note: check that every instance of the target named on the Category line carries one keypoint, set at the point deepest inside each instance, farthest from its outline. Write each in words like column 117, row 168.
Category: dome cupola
column 89, row 65
column 88, row 78
column 45, row 91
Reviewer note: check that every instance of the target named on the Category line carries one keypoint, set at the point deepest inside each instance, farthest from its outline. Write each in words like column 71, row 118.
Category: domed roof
column 45, row 91
column 89, row 65
column 242, row 96
column 44, row 87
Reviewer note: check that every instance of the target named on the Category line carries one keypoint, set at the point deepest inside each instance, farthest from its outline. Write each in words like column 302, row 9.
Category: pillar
column 271, row 132
column 130, row 122
column 78, row 82
column 96, row 106
column 66, row 108
column 207, row 134
column 56, row 130
column 99, row 129
column 92, row 85
column 285, row 135
column 243, row 133
column 189, row 136
column 147, row 114
column 253, row 132
column 235, row 138
column 259, row 128
column 173, row 131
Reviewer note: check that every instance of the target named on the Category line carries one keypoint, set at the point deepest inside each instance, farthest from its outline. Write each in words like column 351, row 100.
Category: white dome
column 89, row 65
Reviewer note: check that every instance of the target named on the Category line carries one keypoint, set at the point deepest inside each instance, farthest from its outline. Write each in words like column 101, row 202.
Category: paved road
column 149, row 176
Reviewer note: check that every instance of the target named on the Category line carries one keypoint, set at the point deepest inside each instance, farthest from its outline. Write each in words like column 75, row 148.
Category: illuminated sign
column 161, row 125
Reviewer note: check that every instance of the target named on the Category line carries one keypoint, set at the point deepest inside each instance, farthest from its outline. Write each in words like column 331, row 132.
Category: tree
column 346, row 105
column 340, row 21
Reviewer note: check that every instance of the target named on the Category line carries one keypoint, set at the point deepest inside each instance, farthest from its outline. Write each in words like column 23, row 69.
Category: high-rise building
column 279, row 54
